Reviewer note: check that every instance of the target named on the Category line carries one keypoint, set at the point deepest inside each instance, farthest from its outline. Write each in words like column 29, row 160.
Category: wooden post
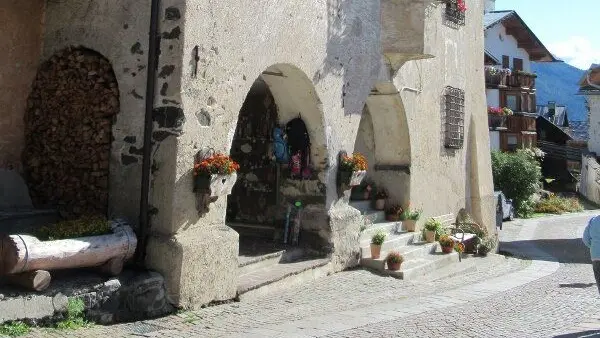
column 37, row 280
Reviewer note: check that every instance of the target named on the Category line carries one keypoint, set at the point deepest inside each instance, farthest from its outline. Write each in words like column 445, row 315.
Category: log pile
column 70, row 112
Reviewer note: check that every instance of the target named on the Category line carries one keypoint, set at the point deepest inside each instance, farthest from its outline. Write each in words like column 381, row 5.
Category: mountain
column 558, row 81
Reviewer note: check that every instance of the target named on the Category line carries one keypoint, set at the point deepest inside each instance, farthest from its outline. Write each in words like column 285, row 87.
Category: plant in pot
column 393, row 213
column 394, row 260
column 486, row 245
column 409, row 219
column 376, row 243
column 432, row 228
column 446, row 243
column 215, row 174
column 380, row 198
column 353, row 169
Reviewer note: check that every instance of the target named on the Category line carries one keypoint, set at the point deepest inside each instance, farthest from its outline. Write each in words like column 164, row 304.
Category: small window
column 454, row 14
column 512, row 142
column 505, row 61
column 512, row 102
column 455, row 117
column 518, row 64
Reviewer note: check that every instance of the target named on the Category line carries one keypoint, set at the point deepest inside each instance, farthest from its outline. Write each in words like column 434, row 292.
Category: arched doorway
column 68, row 132
column 271, row 190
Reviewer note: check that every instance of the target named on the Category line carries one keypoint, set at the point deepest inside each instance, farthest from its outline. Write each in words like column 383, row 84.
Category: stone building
column 400, row 81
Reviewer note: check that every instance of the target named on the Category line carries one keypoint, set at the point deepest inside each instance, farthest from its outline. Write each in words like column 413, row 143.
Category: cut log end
column 37, row 280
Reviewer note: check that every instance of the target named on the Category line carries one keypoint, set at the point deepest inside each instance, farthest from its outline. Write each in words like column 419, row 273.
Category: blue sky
column 568, row 28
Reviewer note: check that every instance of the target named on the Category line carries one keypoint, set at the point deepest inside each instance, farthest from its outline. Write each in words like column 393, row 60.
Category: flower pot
column 482, row 251
column 392, row 218
column 367, row 195
column 429, row 236
column 352, row 178
column 394, row 266
column 410, row 225
column 379, row 204
column 447, row 249
column 375, row 251
column 215, row 185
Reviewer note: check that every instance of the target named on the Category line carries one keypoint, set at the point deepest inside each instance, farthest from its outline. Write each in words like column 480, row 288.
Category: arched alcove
column 70, row 112
column 266, row 186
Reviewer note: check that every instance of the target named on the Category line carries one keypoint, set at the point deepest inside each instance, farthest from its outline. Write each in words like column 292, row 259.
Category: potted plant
column 376, row 243
column 215, row 175
column 446, row 243
column 394, row 260
column 393, row 213
column 380, row 198
column 486, row 245
column 432, row 227
column 367, row 192
column 409, row 219
column 353, row 169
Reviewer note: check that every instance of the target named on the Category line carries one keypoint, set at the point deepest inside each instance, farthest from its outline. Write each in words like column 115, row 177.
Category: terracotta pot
column 409, row 225
column 447, row 249
column 380, row 204
column 429, row 236
column 394, row 266
column 392, row 218
column 375, row 251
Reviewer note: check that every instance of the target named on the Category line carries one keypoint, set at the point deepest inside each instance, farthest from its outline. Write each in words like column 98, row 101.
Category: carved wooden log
column 37, row 280
column 21, row 253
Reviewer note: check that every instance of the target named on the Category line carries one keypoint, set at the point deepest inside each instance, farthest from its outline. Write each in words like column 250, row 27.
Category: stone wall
column 21, row 45
column 118, row 32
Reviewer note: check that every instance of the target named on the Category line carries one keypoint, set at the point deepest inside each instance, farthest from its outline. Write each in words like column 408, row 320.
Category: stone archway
column 384, row 137
column 258, row 204
column 70, row 112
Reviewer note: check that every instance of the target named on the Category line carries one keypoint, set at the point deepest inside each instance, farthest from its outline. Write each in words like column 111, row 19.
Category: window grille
column 453, row 14
column 455, row 117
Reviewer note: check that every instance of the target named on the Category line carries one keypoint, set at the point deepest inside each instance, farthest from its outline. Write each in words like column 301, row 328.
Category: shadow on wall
column 353, row 45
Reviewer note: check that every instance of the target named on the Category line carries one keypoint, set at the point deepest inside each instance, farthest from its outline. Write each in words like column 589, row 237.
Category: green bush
column 14, row 329
column 75, row 318
column 518, row 175
column 558, row 205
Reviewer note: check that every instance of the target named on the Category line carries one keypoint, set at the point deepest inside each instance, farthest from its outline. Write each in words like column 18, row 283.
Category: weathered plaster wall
column 594, row 129
column 443, row 180
column 588, row 185
column 118, row 31
column 333, row 44
column 508, row 45
column 21, row 22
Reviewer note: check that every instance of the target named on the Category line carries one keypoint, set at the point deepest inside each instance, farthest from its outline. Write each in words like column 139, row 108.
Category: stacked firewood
column 70, row 112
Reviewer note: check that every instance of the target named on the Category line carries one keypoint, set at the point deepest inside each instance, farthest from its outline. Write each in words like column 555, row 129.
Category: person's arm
column 587, row 239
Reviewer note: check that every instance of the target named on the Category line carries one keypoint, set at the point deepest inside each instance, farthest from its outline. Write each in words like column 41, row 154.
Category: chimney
column 490, row 5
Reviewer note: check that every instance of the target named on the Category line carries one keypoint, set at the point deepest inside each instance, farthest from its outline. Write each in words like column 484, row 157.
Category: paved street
column 553, row 295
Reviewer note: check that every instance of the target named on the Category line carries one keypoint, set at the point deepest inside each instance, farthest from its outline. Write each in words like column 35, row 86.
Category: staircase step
column 374, row 217
column 268, row 279
column 420, row 268
column 255, row 231
column 409, row 252
column 388, row 228
column 362, row 206
column 392, row 242
column 249, row 264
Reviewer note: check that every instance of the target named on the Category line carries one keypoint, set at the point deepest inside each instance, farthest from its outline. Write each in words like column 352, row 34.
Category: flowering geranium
column 459, row 247
column 507, row 111
column 495, row 111
column 445, row 241
column 356, row 162
column 462, row 7
column 217, row 164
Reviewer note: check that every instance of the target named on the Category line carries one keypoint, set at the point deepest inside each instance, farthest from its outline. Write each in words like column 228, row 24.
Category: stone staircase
column 421, row 259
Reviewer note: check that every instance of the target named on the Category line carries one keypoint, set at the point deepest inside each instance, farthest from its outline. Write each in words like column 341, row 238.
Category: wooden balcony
column 497, row 78
column 517, row 124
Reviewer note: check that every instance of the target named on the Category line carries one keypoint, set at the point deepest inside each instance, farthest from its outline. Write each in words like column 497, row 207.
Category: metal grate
column 453, row 14
column 454, row 118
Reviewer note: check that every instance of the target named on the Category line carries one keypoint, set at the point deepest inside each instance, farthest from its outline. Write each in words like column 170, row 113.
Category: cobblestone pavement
column 506, row 298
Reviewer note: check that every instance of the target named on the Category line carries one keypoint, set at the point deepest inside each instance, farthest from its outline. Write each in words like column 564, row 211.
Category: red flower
column 461, row 5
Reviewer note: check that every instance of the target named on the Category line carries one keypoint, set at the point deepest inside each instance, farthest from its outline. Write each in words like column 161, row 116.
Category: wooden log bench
column 25, row 260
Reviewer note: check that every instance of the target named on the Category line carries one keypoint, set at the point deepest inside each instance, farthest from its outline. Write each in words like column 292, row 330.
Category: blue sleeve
column 587, row 239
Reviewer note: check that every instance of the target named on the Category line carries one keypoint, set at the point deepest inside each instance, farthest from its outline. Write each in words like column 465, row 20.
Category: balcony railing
column 505, row 78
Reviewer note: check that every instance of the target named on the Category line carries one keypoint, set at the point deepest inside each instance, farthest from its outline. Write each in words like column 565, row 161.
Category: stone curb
column 347, row 320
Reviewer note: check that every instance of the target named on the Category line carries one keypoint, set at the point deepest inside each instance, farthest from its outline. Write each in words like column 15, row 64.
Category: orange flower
column 216, row 164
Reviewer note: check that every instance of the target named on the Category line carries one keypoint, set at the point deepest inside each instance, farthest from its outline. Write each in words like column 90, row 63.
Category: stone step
column 249, row 264
column 26, row 221
column 374, row 217
column 388, row 228
column 362, row 206
column 254, row 230
column 434, row 264
column 282, row 276
column 392, row 242
column 409, row 252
